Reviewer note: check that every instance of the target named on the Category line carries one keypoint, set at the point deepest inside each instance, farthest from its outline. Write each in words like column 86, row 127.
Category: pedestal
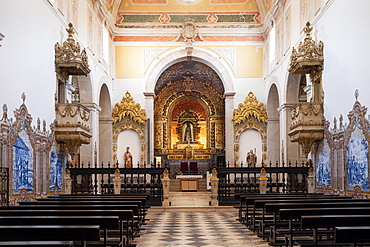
column 166, row 192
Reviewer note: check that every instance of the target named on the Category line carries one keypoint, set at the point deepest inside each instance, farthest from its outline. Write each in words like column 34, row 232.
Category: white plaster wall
column 31, row 30
column 135, row 86
column 245, row 85
column 346, row 36
column 27, row 57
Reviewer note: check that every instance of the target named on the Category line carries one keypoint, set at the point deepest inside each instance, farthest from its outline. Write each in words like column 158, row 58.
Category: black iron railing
column 135, row 181
column 280, row 179
column 4, row 186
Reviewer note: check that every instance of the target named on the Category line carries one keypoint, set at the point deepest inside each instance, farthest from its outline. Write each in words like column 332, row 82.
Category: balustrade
column 4, row 186
column 135, row 181
column 280, row 179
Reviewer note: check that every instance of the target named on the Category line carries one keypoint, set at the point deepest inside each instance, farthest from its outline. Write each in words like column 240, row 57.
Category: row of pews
column 306, row 219
column 74, row 220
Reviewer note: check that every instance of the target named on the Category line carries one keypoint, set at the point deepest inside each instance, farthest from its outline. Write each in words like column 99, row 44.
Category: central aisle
column 216, row 229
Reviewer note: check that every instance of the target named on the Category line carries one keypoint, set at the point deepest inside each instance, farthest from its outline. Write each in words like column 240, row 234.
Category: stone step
column 205, row 209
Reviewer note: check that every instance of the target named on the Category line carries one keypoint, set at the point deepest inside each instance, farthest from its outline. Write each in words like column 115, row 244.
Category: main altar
column 189, row 117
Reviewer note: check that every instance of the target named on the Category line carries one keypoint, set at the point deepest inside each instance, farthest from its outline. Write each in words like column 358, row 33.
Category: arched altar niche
column 251, row 115
column 129, row 117
column 188, row 125
column 189, row 111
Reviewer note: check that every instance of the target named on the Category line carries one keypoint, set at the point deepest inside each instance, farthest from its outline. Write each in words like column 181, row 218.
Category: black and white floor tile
column 197, row 229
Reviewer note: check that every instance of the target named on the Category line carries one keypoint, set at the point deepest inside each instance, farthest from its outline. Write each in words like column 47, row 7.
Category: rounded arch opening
column 250, row 139
column 105, row 125
column 129, row 138
column 273, row 126
column 173, row 56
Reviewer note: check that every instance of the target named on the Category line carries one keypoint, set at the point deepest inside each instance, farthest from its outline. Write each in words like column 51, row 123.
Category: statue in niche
column 188, row 136
column 127, row 157
column 251, row 159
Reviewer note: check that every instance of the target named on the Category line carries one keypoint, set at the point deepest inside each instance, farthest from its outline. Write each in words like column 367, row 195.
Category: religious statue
column 251, row 159
column 188, row 136
column 127, row 157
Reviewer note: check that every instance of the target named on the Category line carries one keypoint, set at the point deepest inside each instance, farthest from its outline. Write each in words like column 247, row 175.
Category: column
column 229, row 127
column 290, row 151
column 87, row 150
column 149, row 109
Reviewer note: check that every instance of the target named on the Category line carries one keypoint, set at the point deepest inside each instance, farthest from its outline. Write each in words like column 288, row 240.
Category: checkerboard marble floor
column 196, row 229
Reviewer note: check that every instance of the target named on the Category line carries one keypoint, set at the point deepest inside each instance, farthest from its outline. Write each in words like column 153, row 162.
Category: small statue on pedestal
column 251, row 159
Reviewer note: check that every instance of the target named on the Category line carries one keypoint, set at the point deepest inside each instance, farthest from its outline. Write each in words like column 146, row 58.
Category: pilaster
column 149, row 109
column 229, row 126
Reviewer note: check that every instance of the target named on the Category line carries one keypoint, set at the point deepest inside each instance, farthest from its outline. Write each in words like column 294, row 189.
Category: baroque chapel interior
column 189, row 102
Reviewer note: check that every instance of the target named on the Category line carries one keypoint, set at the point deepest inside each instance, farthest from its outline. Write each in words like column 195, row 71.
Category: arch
column 292, row 149
column 119, row 146
column 129, row 138
column 292, row 88
column 273, row 126
column 238, row 136
column 105, row 124
column 86, row 89
column 250, row 139
column 180, row 54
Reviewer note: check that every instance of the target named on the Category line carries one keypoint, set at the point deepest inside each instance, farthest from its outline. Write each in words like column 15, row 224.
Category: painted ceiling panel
column 177, row 11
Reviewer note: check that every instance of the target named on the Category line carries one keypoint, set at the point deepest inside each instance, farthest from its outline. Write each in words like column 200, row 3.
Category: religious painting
column 56, row 171
column 22, row 168
column 323, row 172
column 357, row 161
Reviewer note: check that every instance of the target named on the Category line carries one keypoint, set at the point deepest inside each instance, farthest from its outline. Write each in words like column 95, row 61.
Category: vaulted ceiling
column 206, row 13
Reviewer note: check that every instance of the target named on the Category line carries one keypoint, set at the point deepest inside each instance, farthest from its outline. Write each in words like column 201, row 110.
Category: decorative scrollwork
column 308, row 55
column 128, row 108
column 250, row 108
column 69, row 59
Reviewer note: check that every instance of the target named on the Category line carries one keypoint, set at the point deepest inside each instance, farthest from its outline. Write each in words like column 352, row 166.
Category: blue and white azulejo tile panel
column 323, row 172
column 357, row 161
column 22, row 169
column 55, row 169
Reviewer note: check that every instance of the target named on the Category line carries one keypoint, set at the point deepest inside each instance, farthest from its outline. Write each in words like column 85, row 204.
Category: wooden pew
column 140, row 214
column 294, row 214
column 353, row 235
column 246, row 206
column 124, row 216
column 79, row 233
column 316, row 222
column 259, row 211
column 37, row 243
column 105, row 222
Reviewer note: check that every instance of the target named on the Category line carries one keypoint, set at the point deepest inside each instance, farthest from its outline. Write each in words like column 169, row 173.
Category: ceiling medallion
column 189, row 32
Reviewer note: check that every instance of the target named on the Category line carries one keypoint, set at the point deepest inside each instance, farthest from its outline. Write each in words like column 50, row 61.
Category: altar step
column 175, row 185
column 191, row 202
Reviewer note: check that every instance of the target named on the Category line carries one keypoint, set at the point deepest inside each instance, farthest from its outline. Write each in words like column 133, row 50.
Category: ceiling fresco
column 175, row 12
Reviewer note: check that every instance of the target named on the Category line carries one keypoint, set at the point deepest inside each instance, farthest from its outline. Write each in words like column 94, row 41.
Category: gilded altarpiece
column 251, row 115
column 128, row 115
column 189, row 113
column 342, row 158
